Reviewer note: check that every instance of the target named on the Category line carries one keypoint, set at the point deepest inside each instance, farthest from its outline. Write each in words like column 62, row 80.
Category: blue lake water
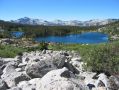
column 17, row 34
column 84, row 38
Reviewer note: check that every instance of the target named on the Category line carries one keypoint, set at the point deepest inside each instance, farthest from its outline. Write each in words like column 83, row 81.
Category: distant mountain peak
column 94, row 22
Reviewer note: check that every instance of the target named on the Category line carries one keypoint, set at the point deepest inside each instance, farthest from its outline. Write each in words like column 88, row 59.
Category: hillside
column 112, row 30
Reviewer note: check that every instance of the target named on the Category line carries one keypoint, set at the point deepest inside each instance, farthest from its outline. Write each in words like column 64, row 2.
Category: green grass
column 8, row 51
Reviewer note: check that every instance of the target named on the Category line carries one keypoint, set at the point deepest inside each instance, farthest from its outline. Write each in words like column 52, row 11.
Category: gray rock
column 12, row 77
column 22, row 66
column 44, row 51
column 13, row 63
column 18, row 69
column 54, row 80
column 3, row 85
column 103, row 81
column 24, row 85
column 27, row 60
column 29, row 85
column 76, row 59
column 39, row 69
column 66, row 74
column 71, row 67
column 6, row 60
column 59, row 60
column 38, row 64
column 87, row 78
column 77, row 63
column 8, row 69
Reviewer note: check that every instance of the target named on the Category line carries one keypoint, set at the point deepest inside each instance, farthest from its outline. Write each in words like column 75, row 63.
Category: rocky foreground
column 51, row 70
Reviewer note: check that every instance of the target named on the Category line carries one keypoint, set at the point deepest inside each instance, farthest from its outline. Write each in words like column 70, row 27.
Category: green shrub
column 43, row 46
column 99, row 57
column 103, row 58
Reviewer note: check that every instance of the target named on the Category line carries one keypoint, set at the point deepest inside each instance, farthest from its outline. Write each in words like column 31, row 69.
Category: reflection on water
column 85, row 38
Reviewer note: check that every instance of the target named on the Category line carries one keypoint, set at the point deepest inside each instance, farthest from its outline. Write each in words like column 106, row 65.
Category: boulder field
column 51, row 70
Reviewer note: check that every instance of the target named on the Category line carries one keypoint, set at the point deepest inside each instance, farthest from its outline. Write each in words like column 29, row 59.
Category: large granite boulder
column 8, row 63
column 59, row 59
column 43, row 63
column 12, row 77
column 61, row 79
column 103, row 81
column 39, row 69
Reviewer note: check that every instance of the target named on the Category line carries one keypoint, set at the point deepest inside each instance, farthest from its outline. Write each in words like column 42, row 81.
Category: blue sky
column 59, row 9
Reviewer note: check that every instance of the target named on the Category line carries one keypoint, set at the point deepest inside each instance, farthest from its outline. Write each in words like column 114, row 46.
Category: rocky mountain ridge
column 95, row 22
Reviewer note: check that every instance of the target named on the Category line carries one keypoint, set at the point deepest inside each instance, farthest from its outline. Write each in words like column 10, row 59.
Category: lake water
column 17, row 34
column 84, row 38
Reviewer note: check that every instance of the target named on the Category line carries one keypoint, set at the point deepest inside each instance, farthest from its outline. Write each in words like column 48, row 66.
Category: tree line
column 32, row 31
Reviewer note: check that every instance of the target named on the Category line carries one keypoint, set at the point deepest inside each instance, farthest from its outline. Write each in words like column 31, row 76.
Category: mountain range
column 31, row 21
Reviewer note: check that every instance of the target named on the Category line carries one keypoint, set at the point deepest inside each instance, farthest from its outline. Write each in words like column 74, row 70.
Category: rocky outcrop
column 46, row 61
column 60, row 79
column 51, row 70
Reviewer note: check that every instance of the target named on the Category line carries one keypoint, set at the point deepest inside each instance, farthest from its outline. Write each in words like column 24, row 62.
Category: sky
column 59, row 9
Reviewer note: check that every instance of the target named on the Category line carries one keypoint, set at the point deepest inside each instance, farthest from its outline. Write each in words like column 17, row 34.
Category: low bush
column 99, row 57
column 43, row 46
column 103, row 59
